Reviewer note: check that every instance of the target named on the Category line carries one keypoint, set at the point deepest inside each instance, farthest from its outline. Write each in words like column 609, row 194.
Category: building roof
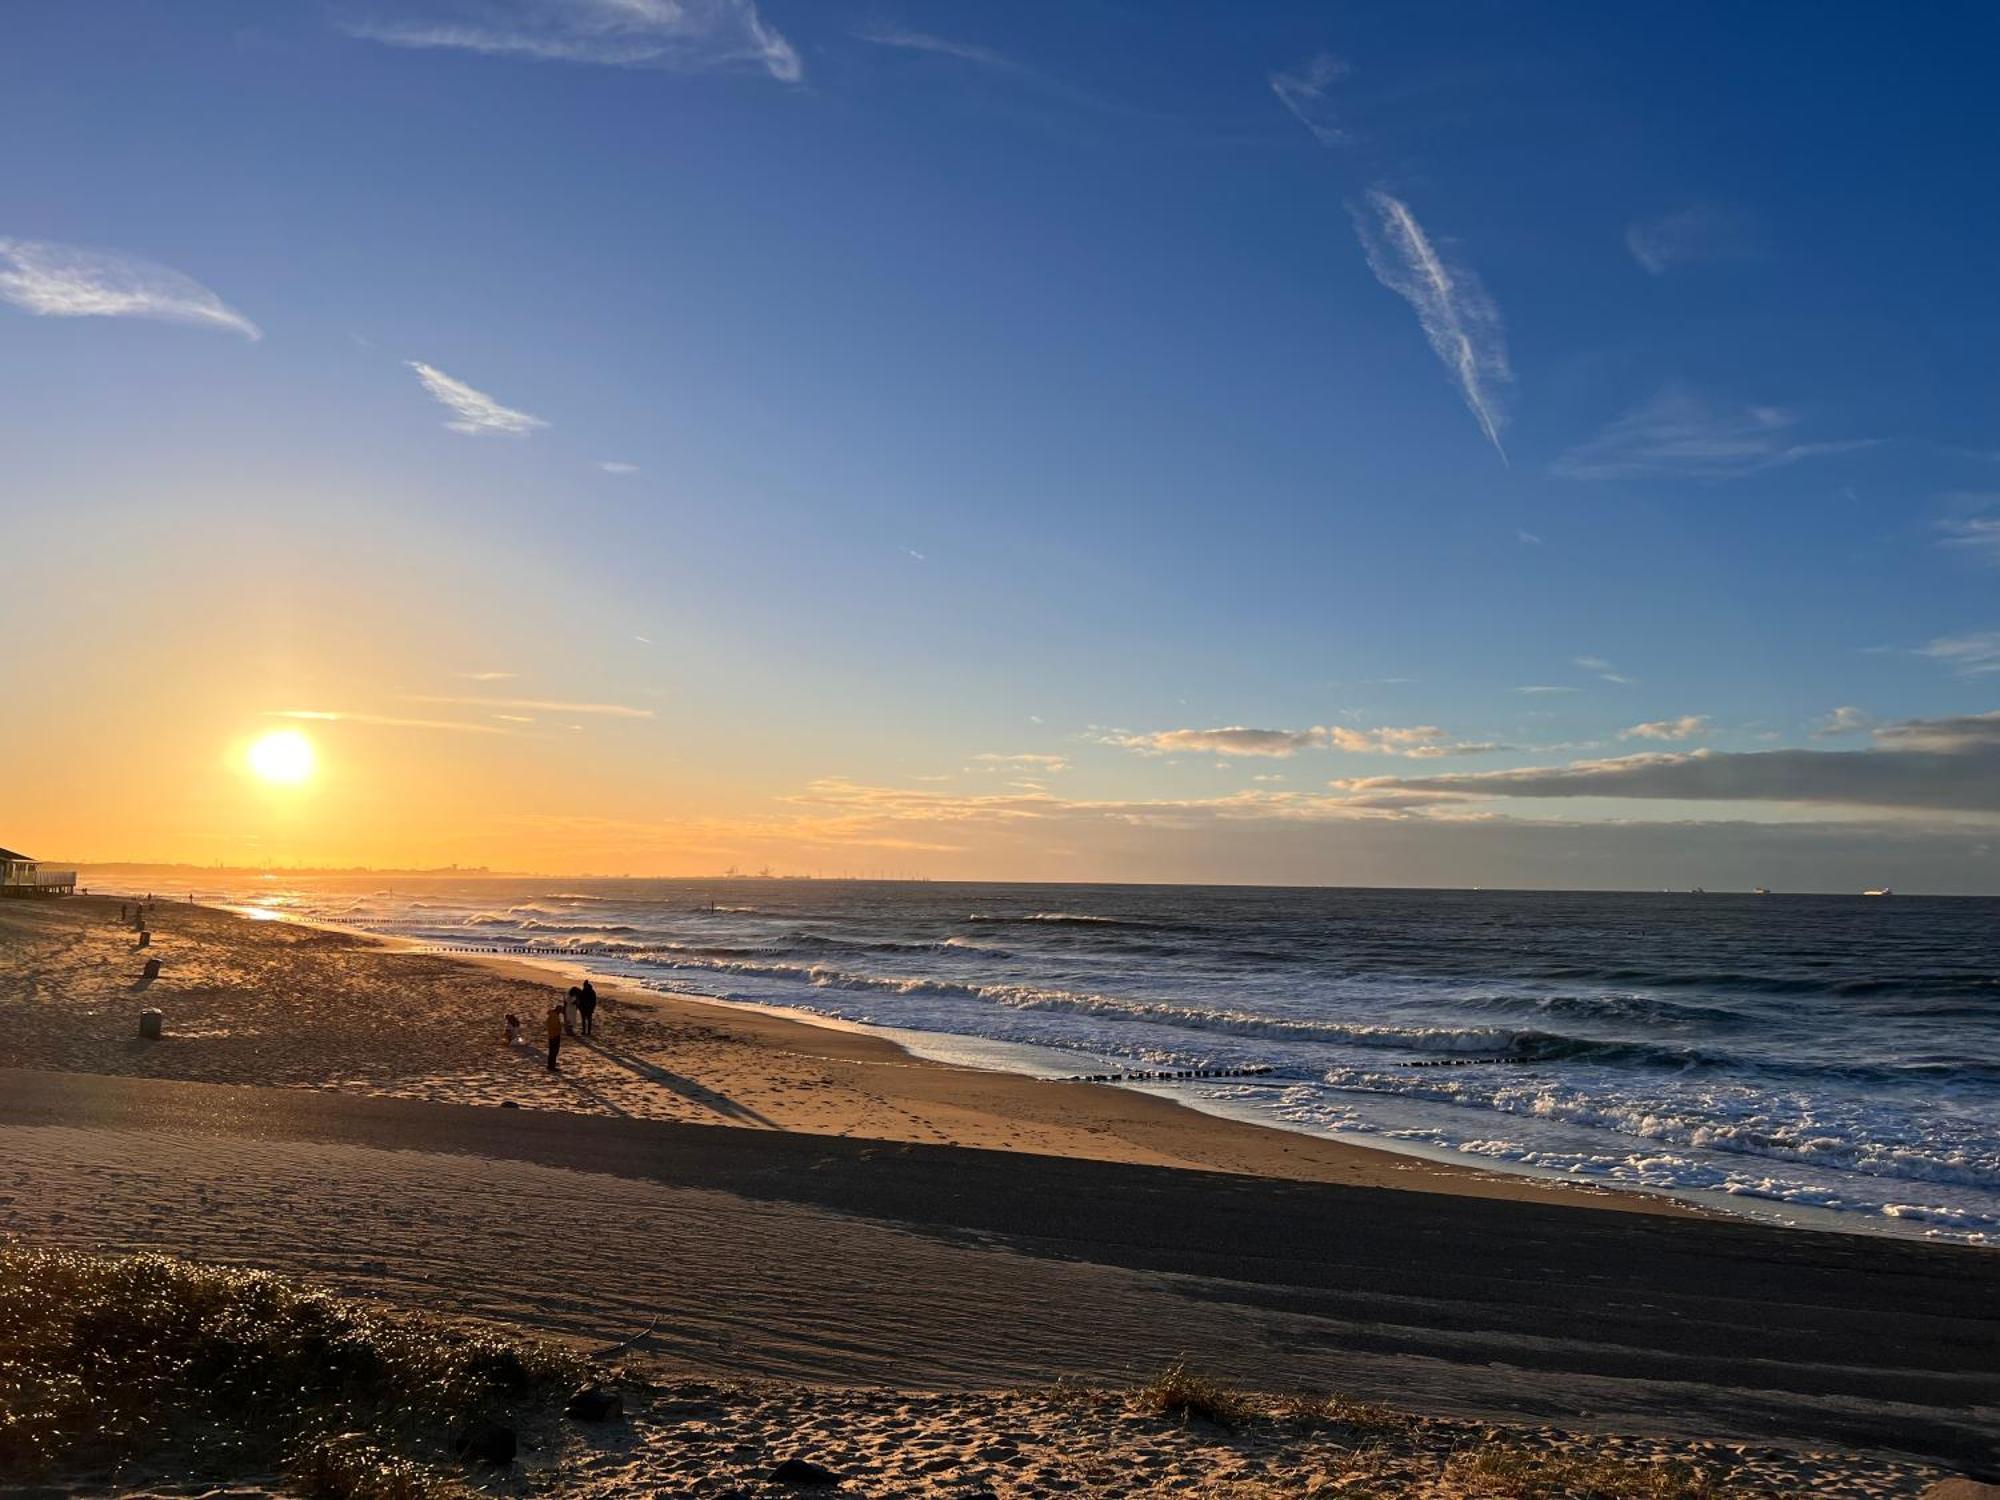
column 10, row 855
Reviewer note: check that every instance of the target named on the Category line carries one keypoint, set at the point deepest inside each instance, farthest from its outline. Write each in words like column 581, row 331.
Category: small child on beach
column 513, row 1029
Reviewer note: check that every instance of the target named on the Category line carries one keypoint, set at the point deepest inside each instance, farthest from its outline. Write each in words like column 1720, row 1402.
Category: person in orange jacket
column 555, row 1034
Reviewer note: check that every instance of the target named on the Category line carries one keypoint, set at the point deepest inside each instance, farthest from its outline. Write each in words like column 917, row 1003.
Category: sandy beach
column 777, row 1210
column 1271, row 730
column 279, row 1004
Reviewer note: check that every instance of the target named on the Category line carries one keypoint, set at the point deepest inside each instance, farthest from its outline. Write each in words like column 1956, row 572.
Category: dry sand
column 276, row 1003
column 714, row 1439
column 913, row 1363
column 879, row 1302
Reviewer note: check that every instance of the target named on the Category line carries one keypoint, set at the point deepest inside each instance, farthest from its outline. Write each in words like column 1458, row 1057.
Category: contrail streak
column 1457, row 316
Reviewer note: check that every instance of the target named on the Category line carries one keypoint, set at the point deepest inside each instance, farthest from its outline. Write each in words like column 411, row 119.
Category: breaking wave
column 1789, row 1050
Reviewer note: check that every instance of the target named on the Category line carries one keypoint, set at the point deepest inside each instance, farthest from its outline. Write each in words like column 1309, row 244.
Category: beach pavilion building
column 22, row 876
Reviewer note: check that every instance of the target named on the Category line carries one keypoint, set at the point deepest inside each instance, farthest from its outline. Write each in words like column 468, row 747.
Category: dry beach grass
column 867, row 1268
column 121, row 1371
column 146, row 1361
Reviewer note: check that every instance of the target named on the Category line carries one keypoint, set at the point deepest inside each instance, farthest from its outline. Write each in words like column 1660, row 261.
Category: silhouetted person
column 586, row 1007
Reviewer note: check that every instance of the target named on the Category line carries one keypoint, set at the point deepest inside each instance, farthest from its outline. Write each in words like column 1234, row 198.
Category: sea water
column 1822, row 1053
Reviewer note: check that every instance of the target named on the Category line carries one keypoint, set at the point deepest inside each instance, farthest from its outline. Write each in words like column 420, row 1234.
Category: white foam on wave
column 1875, row 1140
column 1603, row 1081
column 1448, row 1040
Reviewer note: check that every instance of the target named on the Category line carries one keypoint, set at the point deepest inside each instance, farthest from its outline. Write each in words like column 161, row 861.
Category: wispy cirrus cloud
column 1304, row 90
column 1457, row 317
column 1690, row 236
column 1603, row 669
column 1026, row 761
column 1977, row 535
column 614, row 466
column 1235, row 739
column 476, row 412
column 1544, row 689
column 679, row 34
column 67, row 281
column 1386, row 740
column 1416, row 741
column 384, row 721
column 904, row 40
column 1971, row 655
column 488, row 676
column 1950, row 764
column 997, row 64
column 537, row 705
column 1679, row 435
column 1686, row 727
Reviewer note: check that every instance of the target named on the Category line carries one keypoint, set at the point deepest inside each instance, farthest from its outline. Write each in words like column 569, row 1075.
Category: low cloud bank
column 1948, row 764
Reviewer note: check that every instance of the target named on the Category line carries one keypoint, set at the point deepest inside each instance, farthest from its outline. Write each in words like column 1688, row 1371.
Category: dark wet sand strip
column 853, row 1262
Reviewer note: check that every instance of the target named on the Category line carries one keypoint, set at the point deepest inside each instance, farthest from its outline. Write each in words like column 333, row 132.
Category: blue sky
column 1070, row 381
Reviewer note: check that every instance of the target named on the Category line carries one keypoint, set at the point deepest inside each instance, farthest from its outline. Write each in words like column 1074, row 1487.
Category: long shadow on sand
column 574, row 1084
column 1551, row 1311
column 686, row 1088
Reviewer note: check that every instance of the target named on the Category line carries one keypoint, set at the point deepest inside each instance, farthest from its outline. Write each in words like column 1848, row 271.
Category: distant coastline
column 121, row 868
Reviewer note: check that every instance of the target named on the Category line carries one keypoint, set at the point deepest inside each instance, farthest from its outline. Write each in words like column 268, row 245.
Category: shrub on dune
column 1183, row 1392
column 134, row 1357
column 1499, row 1472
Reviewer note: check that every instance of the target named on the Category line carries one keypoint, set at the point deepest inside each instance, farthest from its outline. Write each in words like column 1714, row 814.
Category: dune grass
column 1332, row 1410
column 1497, row 1472
column 1186, row 1394
column 110, row 1358
column 1391, row 1453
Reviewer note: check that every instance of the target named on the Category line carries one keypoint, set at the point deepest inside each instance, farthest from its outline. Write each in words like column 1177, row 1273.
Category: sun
column 283, row 756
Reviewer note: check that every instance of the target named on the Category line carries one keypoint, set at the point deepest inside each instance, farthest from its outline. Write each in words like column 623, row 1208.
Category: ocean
column 1824, row 1059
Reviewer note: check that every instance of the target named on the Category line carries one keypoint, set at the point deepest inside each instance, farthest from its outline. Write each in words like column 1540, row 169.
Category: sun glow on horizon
column 284, row 757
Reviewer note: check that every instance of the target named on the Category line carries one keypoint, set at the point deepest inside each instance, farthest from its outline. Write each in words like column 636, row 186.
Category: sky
column 1403, row 444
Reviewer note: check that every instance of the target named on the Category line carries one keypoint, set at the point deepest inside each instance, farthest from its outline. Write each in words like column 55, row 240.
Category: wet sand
column 284, row 1005
column 785, row 1203
column 848, row 1262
